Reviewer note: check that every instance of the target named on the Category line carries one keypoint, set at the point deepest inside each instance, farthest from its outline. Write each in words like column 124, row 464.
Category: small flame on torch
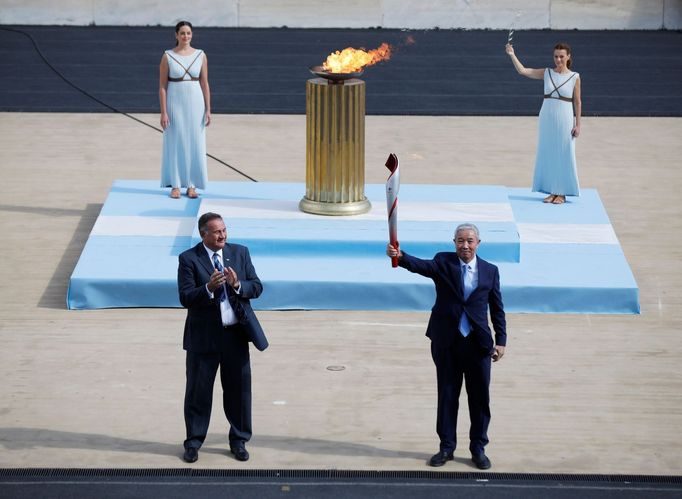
column 350, row 60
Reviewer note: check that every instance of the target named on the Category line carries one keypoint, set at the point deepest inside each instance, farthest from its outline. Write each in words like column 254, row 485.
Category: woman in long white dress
column 185, row 101
column 559, row 125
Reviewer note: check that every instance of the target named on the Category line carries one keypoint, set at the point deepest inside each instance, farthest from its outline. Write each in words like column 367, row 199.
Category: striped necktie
column 220, row 293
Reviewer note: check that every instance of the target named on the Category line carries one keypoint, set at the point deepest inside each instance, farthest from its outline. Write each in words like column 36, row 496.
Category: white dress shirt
column 228, row 316
column 474, row 271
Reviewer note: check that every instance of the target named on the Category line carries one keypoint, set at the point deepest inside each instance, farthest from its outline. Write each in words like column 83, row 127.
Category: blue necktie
column 220, row 292
column 467, row 288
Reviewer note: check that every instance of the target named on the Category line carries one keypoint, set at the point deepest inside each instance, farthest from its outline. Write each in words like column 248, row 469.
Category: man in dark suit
column 461, row 342
column 216, row 280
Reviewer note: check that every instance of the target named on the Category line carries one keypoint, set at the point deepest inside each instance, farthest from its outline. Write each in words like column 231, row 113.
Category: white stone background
column 408, row 14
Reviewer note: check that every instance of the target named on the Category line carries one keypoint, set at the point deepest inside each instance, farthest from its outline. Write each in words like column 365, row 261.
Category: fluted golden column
column 335, row 148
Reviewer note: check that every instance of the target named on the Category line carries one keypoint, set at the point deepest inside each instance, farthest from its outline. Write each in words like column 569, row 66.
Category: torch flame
column 350, row 60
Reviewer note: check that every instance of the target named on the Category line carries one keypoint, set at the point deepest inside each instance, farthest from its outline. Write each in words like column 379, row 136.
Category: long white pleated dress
column 183, row 162
column 555, row 166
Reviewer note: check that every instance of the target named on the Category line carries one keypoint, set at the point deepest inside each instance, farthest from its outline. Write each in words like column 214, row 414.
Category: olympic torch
column 392, row 188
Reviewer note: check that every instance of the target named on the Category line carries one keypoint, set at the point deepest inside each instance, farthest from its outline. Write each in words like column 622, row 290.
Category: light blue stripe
column 332, row 263
column 529, row 208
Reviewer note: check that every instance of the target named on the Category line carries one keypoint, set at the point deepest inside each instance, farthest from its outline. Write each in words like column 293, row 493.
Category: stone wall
column 410, row 14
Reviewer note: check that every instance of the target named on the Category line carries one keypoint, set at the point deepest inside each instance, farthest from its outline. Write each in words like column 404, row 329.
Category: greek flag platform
column 552, row 259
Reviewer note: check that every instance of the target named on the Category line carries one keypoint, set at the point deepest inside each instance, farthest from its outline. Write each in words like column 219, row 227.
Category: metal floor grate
column 327, row 474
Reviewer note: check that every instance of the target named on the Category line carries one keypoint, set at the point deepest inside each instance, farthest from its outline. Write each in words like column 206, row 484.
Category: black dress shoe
column 191, row 454
column 481, row 461
column 440, row 459
column 240, row 453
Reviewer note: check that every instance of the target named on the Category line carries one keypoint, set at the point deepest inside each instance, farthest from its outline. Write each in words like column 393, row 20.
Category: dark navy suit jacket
column 204, row 330
column 445, row 270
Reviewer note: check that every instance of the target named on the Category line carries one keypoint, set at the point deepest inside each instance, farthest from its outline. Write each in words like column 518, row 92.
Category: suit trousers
column 463, row 360
column 235, row 377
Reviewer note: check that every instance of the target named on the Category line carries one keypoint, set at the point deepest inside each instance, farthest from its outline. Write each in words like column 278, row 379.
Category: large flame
column 350, row 60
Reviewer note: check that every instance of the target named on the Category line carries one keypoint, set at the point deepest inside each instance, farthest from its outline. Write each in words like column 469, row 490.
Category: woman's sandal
column 192, row 193
column 549, row 199
column 175, row 193
column 559, row 200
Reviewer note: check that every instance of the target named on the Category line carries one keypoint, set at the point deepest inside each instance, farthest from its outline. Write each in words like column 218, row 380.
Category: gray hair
column 467, row 226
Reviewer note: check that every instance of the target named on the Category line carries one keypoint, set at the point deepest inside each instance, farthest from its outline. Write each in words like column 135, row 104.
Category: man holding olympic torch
column 462, row 345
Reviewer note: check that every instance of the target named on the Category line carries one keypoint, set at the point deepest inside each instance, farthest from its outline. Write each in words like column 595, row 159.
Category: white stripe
column 409, row 211
column 143, row 226
column 567, row 233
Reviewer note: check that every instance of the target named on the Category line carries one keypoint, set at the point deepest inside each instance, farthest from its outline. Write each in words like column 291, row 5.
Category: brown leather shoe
column 175, row 193
column 192, row 193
